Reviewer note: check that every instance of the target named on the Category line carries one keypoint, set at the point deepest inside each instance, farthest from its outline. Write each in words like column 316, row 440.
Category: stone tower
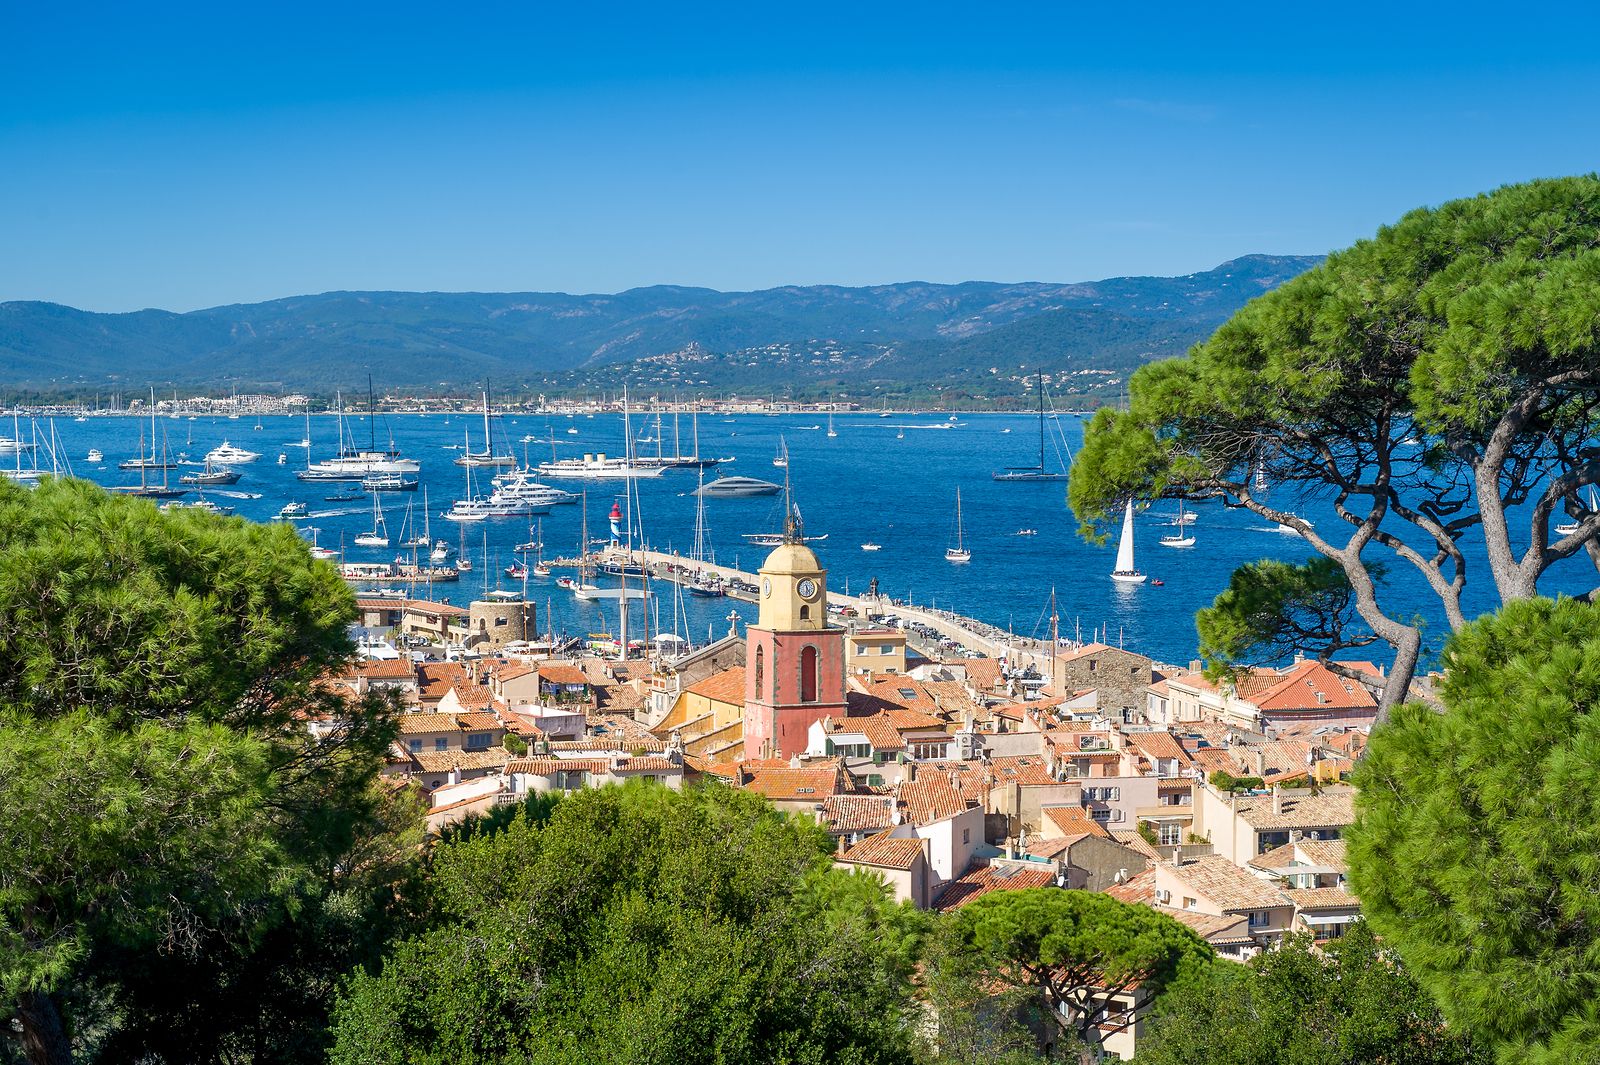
column 794, row 661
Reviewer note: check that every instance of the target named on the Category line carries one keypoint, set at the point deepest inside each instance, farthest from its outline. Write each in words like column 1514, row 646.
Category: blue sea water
column 890, row 481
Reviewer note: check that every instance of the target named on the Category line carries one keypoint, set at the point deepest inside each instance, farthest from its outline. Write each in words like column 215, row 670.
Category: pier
column 742, row 585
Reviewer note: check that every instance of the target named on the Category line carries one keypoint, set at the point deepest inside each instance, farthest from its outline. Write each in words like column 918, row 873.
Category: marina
column 884, row 504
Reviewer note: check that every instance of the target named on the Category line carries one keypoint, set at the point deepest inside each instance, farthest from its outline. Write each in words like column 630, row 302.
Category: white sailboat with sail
column 959, row 552
column 1567, row 528
column 379, row 536
column 1126, row 572
column 1183, row 537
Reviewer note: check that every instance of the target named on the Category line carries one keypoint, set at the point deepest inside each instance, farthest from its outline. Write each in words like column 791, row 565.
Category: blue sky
column 198, row 155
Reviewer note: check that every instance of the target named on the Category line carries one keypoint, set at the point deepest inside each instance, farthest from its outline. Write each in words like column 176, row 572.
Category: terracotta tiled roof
column 1074, row 820
column 435, row 679
column 930, row 800
column 504, row 671
column 479, row 720
column 1141, row 888
column 1158, row 745
column 1226, row 884
column 792, row 784
column 1229, row 928
column 444, row 761
column 562, row 674
column 1325, row 852
column 1299, row 688
column 545, row 766
column 1134, row 841
column 415, row 724
column 857, row 813
column 982, row 673
column 1322, row 898
column 724, row 687
column 976, row 883
column 885, row 852
column 646, row 764
column 389, row 669
column 611, row 743
column 726, row 770
column 1334, row 808
column 1025, row 769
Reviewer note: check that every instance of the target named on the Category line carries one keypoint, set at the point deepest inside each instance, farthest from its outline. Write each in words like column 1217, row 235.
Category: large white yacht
column 597, row 468
column 226, row 454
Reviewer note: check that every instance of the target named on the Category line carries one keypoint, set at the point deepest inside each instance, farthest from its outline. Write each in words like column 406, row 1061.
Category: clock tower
column 794, row 661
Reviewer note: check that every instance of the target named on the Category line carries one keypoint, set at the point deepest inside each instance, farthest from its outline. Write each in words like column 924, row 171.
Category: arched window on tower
column 805, row 613
column 808, row 675
column 761, row 670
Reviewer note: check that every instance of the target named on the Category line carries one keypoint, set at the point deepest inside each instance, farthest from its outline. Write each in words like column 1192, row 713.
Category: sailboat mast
column 1041, row 421
column 372, row 418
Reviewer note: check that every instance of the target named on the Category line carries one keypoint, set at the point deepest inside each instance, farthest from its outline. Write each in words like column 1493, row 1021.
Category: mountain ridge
column 800, row 338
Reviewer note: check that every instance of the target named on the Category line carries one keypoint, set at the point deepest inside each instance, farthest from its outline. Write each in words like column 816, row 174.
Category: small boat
column 830, row 426
column 293, row 510
column 211, row 475
column 1027, row 532
column 572, row 432
column 348, row 497
column 781, row 460
column 1158, row 583
column 541, row 570
column 440, row 552
column 1126, row 572
column 960, row 552
column 1567, row 528
column 1285, row 527
column 389, row 482
column 872, row 547
column 732, row 487
column 517, row 571
column 96, row 455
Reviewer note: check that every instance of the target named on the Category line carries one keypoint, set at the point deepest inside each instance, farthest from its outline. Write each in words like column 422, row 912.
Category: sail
column 1125, row 545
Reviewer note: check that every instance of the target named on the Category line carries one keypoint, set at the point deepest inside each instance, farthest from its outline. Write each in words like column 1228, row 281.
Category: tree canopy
column 163, row 807
column 1476, row 849
column 1083, row 951
column 1350, row 1004
column 641, row 924
column 1440, row 378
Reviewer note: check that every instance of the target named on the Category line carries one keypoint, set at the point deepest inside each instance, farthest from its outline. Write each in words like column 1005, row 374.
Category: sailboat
column 487, row 456
column 782, row 459
column 830, row 425
column 1125, row 571
column 1567, row 528
column 379, row 536
column 958, row 553
column 1183, row 537
column 1032, row 473
column 705, row 584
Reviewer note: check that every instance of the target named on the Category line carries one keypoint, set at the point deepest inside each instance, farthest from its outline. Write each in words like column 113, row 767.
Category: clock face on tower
column 766, row 587
column 807, row 588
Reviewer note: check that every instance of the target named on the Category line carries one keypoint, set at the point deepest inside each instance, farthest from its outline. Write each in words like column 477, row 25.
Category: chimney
column 910, row 773
column 1177, row 855
column 1277, row 800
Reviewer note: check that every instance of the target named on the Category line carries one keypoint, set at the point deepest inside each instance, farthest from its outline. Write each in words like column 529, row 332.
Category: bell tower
column 794, row 660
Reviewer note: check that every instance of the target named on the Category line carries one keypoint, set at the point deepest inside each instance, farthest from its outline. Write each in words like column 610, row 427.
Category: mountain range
column 972, row 339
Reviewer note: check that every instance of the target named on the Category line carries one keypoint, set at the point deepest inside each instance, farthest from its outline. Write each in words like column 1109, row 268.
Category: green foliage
column 972, row 1021
column 641, row 924
column 1075, row 945
column 1223, row 780
column 515, row 744
column 171, row 834
column 1474, row 321
column 1272, row 609
column 1476, row 850
column 1349, row 1005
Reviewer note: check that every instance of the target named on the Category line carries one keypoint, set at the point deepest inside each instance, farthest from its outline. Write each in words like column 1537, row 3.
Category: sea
column 889, row 480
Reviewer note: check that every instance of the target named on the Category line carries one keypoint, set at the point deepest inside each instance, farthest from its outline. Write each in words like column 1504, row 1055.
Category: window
column 907, row 693
column 966, row 836
column 1189, row 903
column 439, row 744
column 1171, row 834
column 805, row 613
column 478, row 741
column 1101, row 816
column 761, row 672
column 1259, row 918
column 416, row 746
column 808, row 675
